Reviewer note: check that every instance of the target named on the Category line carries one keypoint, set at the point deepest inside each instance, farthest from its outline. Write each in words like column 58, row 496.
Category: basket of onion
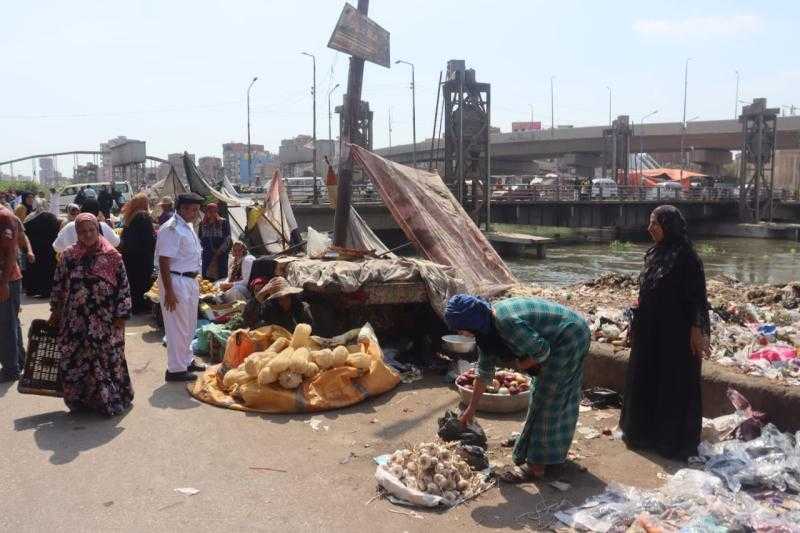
column 508, row 392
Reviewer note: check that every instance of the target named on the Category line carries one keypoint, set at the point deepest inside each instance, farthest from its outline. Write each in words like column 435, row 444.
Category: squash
column 323, row 358
column 340, row 355
column 299, row 360
column 279, row 345
column 359, row 360
column 301, row 336
column 281, row 363
column 311, row 370
column 267, row 376
column 235, row 377
column 252, row 364
column 353, row 348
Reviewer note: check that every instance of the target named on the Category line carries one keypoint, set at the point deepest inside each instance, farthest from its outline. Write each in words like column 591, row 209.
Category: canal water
column 749, row 260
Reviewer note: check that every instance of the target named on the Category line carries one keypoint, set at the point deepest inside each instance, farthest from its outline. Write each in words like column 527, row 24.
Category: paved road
column 67, row 473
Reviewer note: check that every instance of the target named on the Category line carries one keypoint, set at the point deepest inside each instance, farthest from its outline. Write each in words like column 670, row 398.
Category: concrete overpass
column 712, row 140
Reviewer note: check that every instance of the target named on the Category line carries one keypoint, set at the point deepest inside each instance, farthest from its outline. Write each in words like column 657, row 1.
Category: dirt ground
column 66, row 472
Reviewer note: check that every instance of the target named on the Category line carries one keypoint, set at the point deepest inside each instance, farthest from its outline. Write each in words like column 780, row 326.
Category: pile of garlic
column 436, row 469
column 288, row 362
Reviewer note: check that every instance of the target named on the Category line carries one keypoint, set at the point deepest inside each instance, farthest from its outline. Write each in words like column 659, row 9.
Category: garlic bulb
column 396, row 471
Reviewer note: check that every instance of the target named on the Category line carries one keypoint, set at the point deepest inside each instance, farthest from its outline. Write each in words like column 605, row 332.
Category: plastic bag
column 475, row 456
column 450, row 429
column 317, row 243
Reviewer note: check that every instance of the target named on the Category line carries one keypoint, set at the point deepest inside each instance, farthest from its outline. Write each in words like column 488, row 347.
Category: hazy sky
column 175, row 73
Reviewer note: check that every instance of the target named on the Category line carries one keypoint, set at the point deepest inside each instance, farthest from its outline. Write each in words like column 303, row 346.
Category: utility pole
column 552, row 109
column 314, row 112
column 736, row 102
column 609, row 105
column 413, row 110
column 249, row 154
column 641, row 142
column 330, row 137
column 683, row 129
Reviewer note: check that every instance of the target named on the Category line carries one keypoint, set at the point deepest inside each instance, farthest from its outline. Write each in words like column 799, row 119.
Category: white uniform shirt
column 178, row 241
column 69, row 236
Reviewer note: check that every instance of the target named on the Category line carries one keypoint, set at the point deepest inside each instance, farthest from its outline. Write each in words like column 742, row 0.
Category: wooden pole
column 352, row 108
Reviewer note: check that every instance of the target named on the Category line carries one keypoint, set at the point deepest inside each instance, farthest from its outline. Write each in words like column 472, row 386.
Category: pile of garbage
column 754, row 328
column 743, row 486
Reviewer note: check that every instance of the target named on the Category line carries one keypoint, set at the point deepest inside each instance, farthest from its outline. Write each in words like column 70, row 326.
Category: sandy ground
column 64, row 472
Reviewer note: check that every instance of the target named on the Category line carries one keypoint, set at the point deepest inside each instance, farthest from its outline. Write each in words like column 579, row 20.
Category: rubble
column 737, row 311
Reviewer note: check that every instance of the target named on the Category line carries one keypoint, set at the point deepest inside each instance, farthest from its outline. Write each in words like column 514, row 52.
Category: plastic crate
column 41, row 375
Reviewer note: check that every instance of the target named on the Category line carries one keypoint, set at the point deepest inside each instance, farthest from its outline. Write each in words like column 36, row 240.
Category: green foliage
column 707, row 248
column 31, row 186
column 621, row 246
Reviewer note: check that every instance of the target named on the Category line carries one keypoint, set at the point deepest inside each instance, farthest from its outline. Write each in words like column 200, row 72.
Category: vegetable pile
column 505, row 382
column 436, row 469
column 288, row 362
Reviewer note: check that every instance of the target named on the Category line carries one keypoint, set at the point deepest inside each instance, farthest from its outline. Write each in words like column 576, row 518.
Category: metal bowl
column 458, row 343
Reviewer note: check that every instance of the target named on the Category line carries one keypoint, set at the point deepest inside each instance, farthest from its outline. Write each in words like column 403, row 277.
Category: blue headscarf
column 469, row 313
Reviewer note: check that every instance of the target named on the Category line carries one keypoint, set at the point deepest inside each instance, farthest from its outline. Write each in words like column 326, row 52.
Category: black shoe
column 194, row 366
column 179, row 376
column 8, row 378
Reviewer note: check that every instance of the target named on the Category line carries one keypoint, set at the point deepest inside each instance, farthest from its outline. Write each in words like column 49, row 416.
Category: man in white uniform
column 179, row 253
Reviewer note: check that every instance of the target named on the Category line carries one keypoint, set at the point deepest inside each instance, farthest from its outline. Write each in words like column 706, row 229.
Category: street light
column 641, row 142
column 413, row 110
column 314, row 112
column 249, row 154
column 683, row 129
column 329, row 110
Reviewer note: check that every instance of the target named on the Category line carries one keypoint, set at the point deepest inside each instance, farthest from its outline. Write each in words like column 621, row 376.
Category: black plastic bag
column 475, row 456
column 450, row 429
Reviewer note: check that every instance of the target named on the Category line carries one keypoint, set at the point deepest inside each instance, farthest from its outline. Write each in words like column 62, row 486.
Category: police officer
column 179, row 261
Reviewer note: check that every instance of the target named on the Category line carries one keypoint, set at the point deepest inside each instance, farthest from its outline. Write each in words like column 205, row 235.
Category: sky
column 175, row 73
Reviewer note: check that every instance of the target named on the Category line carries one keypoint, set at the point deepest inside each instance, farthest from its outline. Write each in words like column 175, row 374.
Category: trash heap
column 743, row 486
column 754, row 328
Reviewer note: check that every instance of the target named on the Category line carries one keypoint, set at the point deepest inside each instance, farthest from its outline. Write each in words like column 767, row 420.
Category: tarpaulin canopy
column 435, row 222
column 275, row 221
column 170, row 186
column 236, row 206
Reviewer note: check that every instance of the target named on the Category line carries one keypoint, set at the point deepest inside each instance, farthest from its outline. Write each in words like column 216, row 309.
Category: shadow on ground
column 172, row 396
column 68, row 435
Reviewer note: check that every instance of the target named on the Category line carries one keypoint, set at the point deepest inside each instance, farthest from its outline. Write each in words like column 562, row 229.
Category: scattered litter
column 543, row 516
column 367, row 445
column 316, row 423
column 267, row 469
column 560, row 485
column 410, row 376
column 170, row 506
column 588, row 433
column 412, row 514
column 108, row 504
column 373, row 421
column 187, row 491
column 347, row 459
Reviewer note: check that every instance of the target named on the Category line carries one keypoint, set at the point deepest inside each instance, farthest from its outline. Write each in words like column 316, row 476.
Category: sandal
column 518, row 474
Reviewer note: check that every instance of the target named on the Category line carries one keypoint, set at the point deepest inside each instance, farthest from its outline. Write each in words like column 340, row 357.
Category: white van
column 668, row 190
column 604, row 188
column 68, row 193
column 301, row 190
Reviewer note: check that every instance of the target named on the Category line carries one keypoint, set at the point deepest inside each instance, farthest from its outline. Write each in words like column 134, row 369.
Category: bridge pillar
column 711, row 161
column 584, row 163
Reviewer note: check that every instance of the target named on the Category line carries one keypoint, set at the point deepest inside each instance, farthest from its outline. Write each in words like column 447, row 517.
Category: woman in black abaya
column 669, row 337
column 41, row 227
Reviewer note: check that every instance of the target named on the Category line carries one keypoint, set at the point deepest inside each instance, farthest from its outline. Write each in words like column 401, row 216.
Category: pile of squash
column 288, row 362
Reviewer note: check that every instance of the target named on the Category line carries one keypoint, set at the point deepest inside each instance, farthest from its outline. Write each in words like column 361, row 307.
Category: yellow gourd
column 267, row 376
column 252, row 364
column 282, row 361
column 354, row 348
column 279, row 345
column 299, row 360
column 311, row 370
column 359, row 360
column 235, row 377
column 301, row 336
column 340, row 354
column 323, row 358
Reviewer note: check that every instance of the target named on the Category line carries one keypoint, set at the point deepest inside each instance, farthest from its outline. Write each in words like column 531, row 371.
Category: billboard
column 357, row 35
column 526, row 126
column 128, row 153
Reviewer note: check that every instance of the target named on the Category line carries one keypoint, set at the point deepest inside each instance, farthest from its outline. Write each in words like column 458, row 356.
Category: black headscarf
column 661, row 258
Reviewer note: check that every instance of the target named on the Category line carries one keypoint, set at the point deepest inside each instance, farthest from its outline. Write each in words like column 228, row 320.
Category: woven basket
column 41, row 374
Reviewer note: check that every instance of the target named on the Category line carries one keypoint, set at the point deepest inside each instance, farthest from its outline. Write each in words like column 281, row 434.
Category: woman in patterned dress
column 90, row 302
column 545, row 339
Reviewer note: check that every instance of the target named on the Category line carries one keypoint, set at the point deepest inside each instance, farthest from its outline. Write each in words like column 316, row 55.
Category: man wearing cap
column 280, row 305
column 179, row 261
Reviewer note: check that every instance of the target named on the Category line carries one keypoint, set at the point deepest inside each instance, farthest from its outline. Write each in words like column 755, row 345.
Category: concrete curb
column 604, row 368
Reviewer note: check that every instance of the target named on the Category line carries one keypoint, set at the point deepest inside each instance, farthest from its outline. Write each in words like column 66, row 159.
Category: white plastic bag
column 317, row 243
column 395, row 487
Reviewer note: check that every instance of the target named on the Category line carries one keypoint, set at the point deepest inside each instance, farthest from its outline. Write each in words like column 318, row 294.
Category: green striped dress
column 557, row 338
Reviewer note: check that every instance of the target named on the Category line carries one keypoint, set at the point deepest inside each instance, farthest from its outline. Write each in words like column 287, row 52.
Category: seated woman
column 240, row 263
column 90, row 302
column 280, row 304
column 546, row 339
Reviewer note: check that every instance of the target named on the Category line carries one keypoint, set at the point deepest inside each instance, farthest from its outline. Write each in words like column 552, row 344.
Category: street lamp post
column 641, row 142
column 314, row 112
column 249, row 154
column 329, row 110
column 413, row 110
column 683, row 129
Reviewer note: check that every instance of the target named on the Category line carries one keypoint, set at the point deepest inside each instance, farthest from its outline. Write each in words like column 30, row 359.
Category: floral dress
column 94, row 373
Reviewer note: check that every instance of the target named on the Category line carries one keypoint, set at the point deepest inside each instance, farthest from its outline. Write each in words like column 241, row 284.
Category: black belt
column 184, row 274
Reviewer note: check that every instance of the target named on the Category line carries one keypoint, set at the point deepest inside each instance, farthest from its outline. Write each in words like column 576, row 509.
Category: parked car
column 604, row 188
column 668, row 190
column 68, row 193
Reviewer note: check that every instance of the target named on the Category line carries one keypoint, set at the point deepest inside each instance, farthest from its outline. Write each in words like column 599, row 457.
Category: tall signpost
column 364, row 40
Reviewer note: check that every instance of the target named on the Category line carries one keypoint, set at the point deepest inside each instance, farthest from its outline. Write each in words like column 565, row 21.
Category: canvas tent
column 236, row 206
column 170, row 186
